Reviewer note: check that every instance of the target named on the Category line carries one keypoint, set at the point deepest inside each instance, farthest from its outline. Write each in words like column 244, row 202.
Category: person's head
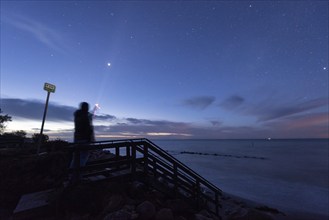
column 84, row 106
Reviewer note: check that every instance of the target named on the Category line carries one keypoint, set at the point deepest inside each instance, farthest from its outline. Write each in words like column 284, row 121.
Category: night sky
column 168, row 69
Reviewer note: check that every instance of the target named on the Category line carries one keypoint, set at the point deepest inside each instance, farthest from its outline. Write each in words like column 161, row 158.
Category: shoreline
column 283, row 213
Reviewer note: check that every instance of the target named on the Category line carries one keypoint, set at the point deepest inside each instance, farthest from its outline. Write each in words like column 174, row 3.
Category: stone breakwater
column 221, row 155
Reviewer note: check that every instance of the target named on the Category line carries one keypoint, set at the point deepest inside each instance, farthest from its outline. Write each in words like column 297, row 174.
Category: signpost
column 50, row 89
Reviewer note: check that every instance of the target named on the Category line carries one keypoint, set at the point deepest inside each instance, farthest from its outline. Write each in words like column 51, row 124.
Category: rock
column 180, row 218
column 256, row 215
column 268, row 209
column 164, row 214
column 74, row 216
column 129, row 208
column 208, row 215
column 252, row 214
column 137, row 189
column 137, row 184
column 201, row 217
column 146, row 210
column 205, row 213
column 215, row 217
column 115, row 203
column 118, row 215
column 178, row 206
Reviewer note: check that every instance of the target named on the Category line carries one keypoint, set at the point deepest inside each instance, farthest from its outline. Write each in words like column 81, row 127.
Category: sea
column 289, row 175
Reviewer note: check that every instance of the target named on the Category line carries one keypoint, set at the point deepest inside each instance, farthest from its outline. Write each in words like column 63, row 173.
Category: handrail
column 183, row 165
column 180, row 175
column 177, row 165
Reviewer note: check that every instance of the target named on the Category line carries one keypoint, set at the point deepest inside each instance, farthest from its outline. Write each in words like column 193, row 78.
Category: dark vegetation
column 23, row 171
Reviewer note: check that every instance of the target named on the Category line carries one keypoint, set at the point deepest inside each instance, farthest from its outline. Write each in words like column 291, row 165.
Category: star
column 108, row 64
column 324, row 68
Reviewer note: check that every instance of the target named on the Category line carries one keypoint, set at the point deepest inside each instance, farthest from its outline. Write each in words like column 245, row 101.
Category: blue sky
column 192, row 69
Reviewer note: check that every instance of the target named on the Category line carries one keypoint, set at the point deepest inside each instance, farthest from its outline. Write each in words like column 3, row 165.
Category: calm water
column 284, row 174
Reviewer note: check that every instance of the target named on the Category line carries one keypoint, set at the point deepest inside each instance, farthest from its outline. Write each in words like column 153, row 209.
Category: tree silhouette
column 15, row 134
column 3, row 120
column 44, row 138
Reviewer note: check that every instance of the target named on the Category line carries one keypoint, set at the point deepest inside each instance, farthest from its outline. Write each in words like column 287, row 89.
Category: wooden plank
column 109, row 164
column 96, row 178
column 33, row 205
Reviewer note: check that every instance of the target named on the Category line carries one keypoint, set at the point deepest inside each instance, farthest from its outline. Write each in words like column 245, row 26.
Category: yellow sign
column 49, row 87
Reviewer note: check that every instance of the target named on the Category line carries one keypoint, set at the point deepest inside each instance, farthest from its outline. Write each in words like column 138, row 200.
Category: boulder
column 146, row 210
column 118, row 215
column 164, row 214
column 115, row 203
column 252, row 214
column 178, row 206
column 205, row 213
column 137, row 189
column 201, row 217
column 180, row 218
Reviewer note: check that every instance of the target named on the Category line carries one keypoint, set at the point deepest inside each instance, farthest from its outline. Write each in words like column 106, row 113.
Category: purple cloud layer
column 295, row 120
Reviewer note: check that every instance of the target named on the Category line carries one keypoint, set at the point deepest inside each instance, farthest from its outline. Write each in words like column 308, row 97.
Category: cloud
column 200, row 102
column 138, row 121
column 232, row 102
column 144, row 128
column 301, row 126
column 265, row 111
column 44, row 34
column 271, row 109
column 146, row 122
column 33, row 109
column 295, row 122
column 154, row 123
column 104, row 117
column 139, row 128
column 215, row 123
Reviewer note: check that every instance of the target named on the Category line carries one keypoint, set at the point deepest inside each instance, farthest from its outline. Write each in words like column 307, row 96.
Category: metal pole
column 43, row 123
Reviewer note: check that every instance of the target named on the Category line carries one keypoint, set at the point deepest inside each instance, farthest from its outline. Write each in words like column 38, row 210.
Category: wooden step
column 34, row 205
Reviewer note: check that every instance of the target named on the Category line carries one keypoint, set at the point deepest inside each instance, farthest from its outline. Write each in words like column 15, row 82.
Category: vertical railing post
column 76, row 165
column 175, row 178
column 117, row 152
column 128, row 151
column 133, row 157
column 146, row 157
column 198, row 191
column 127, row 156
column 154, row 163
column 217, row 203
column 117, row 155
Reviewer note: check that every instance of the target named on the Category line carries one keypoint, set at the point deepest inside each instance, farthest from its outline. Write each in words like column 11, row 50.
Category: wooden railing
column 143, row 158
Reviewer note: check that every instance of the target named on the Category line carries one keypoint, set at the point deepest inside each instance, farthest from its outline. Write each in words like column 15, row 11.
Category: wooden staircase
column 141, row 159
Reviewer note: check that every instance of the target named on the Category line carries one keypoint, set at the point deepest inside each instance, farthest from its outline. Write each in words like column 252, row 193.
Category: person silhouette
column 83, row 134
column 83, row 128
